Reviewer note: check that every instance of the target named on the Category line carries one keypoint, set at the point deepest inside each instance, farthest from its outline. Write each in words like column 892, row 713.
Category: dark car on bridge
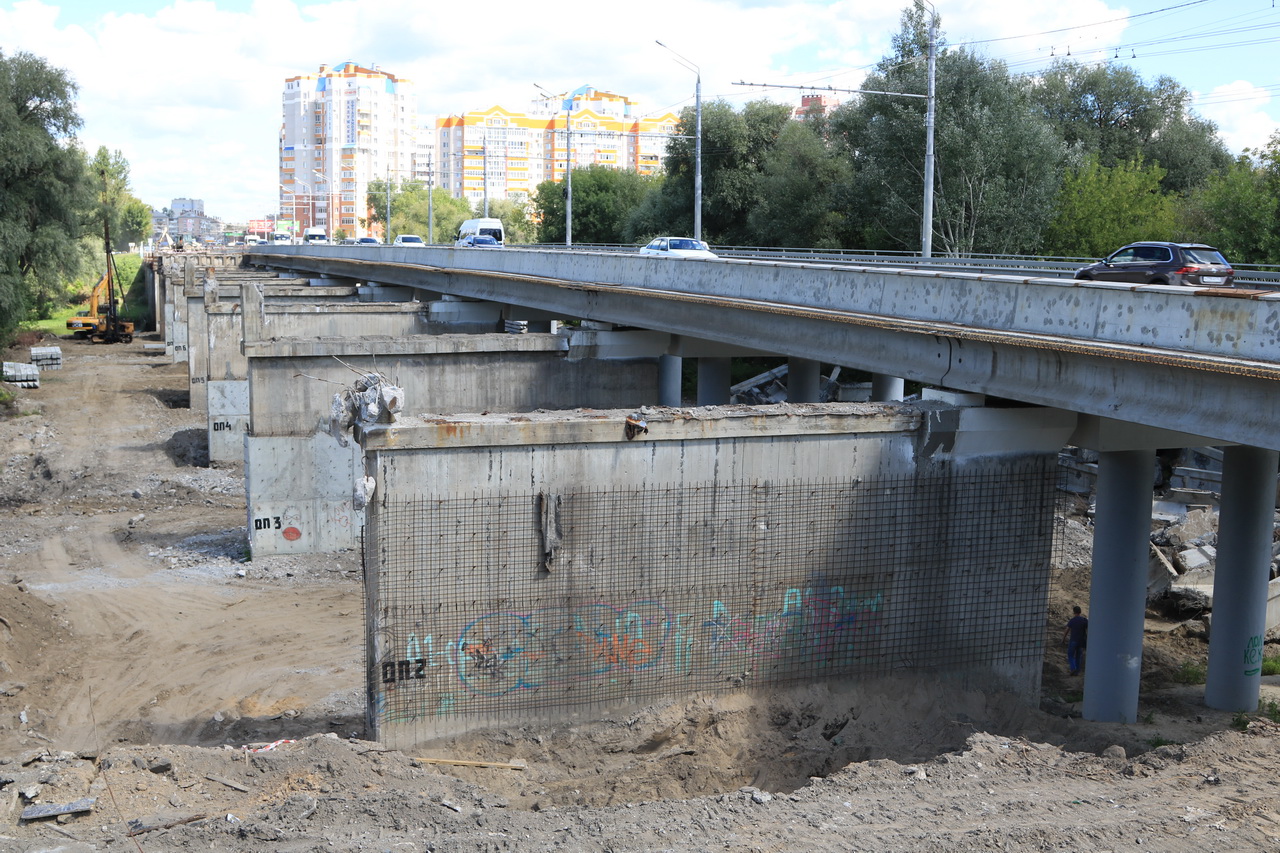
column 478, row 241
column 1189, row 264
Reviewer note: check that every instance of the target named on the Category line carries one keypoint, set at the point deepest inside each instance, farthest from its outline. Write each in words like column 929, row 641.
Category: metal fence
column 505, row 608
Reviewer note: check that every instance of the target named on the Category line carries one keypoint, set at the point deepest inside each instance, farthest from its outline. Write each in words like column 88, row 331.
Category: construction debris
column 43, row 810
column 373, row 399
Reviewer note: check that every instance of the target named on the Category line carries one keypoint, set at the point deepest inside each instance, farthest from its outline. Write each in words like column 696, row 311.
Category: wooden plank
column 459, row 762
column 228, row 783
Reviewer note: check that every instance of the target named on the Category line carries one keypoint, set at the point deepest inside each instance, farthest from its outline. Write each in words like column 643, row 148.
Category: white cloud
column 190, row 92
column 1240, row 110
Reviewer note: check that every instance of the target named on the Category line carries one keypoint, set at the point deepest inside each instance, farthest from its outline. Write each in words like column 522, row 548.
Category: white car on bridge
column 678, row 247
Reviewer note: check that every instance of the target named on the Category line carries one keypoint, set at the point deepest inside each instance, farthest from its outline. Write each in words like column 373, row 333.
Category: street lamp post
column 568, row 166
column 293, row 199
column 697, row 141
column 328, row 202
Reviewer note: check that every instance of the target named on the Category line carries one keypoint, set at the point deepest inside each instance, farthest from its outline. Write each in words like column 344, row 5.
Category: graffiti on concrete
column 824, row 627
column 505, row 653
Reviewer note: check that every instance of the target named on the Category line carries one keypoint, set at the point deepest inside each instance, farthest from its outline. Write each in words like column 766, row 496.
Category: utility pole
column 926, row 220
column 926, row 217
column 568, row 176
column 567, row 103
column 697, row 140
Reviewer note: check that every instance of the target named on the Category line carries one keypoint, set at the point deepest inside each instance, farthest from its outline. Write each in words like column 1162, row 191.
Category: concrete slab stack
column 47, row 358
column 20, row 374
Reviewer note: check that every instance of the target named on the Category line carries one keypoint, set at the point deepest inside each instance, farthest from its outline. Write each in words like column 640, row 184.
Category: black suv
column 1190, row 264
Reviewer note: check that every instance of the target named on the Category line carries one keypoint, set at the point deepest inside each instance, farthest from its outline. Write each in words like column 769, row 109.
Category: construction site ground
column 170, row 694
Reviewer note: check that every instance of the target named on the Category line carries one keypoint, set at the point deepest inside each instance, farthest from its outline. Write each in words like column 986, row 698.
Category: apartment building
column 503, row 153
column 342, row 128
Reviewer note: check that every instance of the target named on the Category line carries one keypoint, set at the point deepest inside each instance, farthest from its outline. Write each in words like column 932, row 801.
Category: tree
column 43, row 191
column 127, row 216
column 603, row 199
column 800, row 182
column 1239, row 210
column 412, row 210
column 514, row 213
column 1100, row 208
column 997, row 163
column 734, row 146
column 1108, row 111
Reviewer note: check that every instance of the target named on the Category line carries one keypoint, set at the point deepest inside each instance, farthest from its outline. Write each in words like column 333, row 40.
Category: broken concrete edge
column 664, row 424
column 395, row 345
column 44, row 810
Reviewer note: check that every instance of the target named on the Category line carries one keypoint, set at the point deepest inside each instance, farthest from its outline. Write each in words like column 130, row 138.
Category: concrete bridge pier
column 670, row 369
column 1245, row 524
column 804, row 380
column 714, row 380
column 887, row 389
column 1118, row 591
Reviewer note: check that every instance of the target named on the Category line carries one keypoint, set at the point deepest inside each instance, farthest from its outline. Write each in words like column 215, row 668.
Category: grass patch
column 1271, row 666
column 1158, row 741
column 1270, row 710
column 1240, row 721
column 55, row 325
column 1191, row 672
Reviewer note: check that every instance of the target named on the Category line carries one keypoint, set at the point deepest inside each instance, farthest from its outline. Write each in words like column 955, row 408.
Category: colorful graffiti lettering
column 501, row 652
column 816, row 627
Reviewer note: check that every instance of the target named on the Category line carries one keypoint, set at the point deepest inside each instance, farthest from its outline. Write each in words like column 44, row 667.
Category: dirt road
column 205, row 702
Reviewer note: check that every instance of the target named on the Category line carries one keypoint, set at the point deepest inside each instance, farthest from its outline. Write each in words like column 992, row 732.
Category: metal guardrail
column 1247, row 275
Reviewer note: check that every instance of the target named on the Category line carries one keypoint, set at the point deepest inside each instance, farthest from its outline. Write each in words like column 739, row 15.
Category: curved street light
column 567, row 103
column 697, row 141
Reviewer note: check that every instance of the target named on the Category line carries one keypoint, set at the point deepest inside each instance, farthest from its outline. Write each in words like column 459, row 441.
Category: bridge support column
column 1245, row 523
column 713, row 381
column 804, row 380
column 1118, row 590
column 670, row 369
column 887, row 389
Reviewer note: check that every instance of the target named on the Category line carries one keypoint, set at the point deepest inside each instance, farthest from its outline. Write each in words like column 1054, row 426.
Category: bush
column 1191, row 672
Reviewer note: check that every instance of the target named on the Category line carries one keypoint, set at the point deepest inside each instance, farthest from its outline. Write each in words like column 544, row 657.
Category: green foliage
column 800, row 192
column 516, row 225
column 1270, row 709
column 603, row 199
column 43, row 192
column 340, row 234
column 997, row 163
column 1191, row 672
column 413, row 209
column 734, row 147
column 1109, row 112
column 1271, row 666
column 1100, row 208
column 1159, row 741
column 1240, row 721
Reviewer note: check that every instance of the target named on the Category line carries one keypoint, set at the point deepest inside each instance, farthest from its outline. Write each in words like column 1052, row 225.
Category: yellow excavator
column 105, row 327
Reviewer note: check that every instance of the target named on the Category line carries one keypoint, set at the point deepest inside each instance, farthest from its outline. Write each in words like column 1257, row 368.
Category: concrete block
column 1196, row 558
column 955, row 398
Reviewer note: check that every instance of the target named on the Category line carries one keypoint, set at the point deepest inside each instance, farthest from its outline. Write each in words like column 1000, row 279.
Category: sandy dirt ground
column 192, row 700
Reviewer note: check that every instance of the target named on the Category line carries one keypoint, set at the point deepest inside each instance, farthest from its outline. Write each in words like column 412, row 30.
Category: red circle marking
column 292, row 533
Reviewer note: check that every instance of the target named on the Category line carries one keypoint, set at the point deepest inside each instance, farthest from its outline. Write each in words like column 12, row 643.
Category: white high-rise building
column 342, row 128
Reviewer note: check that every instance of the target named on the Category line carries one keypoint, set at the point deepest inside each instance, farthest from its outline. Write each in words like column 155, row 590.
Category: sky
column 190, row 90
